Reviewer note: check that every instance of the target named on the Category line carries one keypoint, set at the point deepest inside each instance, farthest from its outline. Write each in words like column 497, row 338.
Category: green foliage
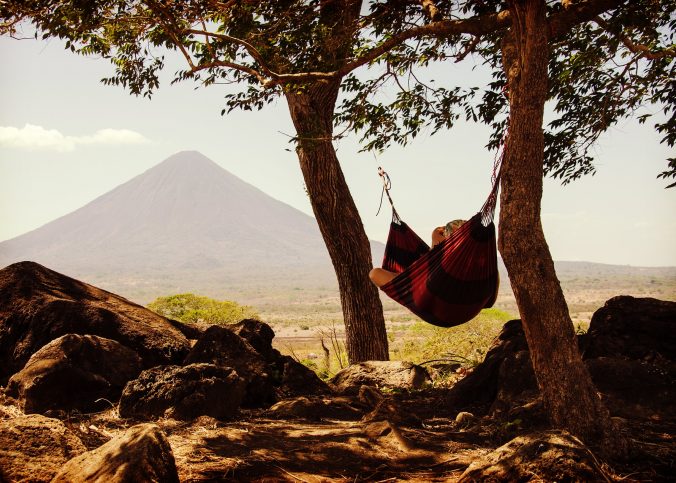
column 466, row 344
column 602, row 70
column 620, row 64
column 191, row 308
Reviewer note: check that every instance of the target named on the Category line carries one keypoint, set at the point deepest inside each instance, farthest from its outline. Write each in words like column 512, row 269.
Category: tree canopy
column 618, row 63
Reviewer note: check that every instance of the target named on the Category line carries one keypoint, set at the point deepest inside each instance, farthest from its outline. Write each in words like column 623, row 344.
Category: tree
column 290, row 48
column 524, row 43
column 195, row 309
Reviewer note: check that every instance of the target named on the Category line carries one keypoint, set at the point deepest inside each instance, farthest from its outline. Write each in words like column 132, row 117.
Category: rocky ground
column 96, row 388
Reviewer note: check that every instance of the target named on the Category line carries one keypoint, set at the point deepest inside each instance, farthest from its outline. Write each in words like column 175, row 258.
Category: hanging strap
column 387, row 186
column 488, row 209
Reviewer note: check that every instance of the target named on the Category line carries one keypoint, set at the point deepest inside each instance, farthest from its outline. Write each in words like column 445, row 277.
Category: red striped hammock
column 451, row 283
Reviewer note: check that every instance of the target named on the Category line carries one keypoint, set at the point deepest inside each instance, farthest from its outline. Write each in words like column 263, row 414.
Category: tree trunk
column 338, row 219
column 569, row 395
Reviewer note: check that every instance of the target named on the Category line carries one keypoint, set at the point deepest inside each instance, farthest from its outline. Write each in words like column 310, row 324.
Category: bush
column 466, row 344
column 191, row 308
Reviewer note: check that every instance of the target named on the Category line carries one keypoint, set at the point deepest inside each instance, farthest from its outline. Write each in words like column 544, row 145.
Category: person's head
column 442, row 232
column 451, row 226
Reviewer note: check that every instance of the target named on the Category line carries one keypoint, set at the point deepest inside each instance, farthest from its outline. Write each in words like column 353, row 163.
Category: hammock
column 449, row 284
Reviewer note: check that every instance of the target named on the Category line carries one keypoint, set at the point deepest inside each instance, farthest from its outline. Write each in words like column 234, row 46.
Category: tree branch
column 642, row 50
column 575, row 13
column 559, row 24
column 468, row 49
column 249, row 48
column 476, row 26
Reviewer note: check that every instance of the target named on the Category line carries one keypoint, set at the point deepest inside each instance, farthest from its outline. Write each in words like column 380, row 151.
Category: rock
column 223, row 347
column 382, row 408
column 636, row 328
column 516, row 383
column 370, row 396
column 38, row 305
column 142, row 453
column 34, row 448
column 539, row 456
column 258, row 334
column 269, row 374
column 504, row 383
column 315, row 408
column 381, row 374
column 183, row 392
column 634, row 389
column 189, row 330
column 297, row 379
column 464, row 418
column 390, row 410
column 628, row 351
column 481, row 385
column 73, row 372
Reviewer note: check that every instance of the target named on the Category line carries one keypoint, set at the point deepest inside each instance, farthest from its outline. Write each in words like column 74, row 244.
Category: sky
column 65, row 139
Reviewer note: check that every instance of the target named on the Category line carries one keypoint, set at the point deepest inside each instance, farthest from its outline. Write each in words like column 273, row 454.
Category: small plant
column 513, row 425
column 339, row 353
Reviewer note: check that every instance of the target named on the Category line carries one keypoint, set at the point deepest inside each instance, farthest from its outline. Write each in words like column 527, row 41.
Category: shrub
column 191, row 308
column 466, row 343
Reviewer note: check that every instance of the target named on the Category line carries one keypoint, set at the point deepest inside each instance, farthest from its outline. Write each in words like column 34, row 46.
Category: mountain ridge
column 188, row 225
column 184, row 214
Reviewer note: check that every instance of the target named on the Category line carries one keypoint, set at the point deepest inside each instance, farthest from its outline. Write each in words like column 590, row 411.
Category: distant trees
column 188, row 307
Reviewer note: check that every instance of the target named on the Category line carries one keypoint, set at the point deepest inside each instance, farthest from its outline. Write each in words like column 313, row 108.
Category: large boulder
column 290, row 377
column 633, row 388
column 258, row 334
column 380, row 374
column 74, row 372
column 38, row 305
column 481, row 386
column 636, row 328
column 516, row 384
column 34, row 448
column 223, row 347
column 247, row 347
column 540, row 456
column 295, row 379
column 183, row 392
column 141, row 453
column 628, row 350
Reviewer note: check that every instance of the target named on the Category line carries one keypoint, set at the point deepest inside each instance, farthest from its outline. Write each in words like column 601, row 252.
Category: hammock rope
column 387, row 186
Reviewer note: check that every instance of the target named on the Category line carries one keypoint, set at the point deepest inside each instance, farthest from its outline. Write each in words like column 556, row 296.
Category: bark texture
column 311, row 107
column 568, row 392
column 339, row 221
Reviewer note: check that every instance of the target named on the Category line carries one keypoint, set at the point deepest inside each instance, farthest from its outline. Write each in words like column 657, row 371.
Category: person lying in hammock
column 380, row 276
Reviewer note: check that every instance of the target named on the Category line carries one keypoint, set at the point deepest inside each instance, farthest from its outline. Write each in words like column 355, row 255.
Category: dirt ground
column 428, row 446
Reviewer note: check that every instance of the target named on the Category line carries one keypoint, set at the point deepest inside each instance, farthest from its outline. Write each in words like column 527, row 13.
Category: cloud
column 38, row 138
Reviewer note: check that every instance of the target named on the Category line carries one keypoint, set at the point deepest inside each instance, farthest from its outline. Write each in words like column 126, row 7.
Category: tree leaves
column 618, row 66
